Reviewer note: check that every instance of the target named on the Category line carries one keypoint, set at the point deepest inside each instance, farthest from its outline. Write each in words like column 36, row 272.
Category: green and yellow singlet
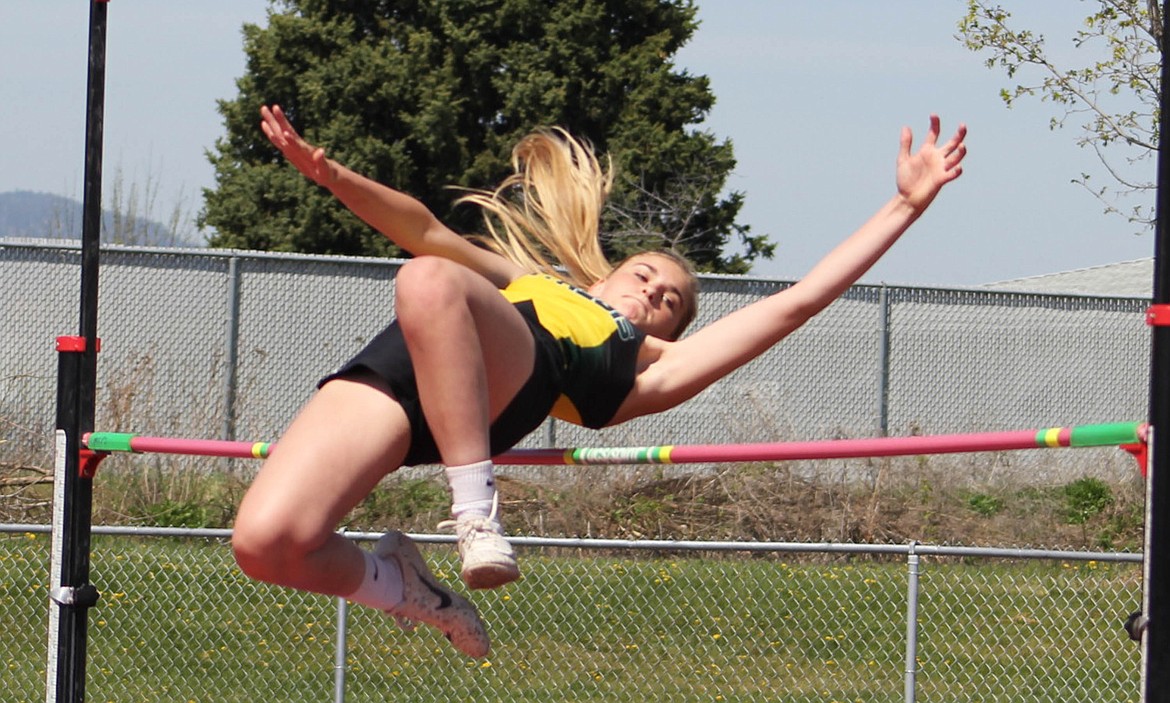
column 598, row 344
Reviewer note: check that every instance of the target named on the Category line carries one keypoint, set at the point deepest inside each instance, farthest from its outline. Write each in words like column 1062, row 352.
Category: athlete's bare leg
column 347, row 437
column 472, row 352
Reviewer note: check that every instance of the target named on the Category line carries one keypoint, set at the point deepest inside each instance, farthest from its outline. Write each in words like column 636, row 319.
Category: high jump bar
column 1123, row 434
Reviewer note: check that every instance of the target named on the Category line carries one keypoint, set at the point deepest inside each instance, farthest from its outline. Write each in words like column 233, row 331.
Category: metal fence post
column 884, row 361
column 231, row 349
column 340, row 651
column 911, row 622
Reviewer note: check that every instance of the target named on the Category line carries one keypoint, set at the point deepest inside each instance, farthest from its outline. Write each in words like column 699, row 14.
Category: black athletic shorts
column 386, row 356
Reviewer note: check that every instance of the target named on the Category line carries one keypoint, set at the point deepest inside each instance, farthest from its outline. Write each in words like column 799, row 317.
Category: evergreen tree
column 427, row 94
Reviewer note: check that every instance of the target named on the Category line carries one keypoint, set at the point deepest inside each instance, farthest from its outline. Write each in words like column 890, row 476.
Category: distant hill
column 39, row 215
column 26, row 214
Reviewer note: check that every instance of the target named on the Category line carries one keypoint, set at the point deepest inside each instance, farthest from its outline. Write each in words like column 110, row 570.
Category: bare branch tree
column 1115, row 96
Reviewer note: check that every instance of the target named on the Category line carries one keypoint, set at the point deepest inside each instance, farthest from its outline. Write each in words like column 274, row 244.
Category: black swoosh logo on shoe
column 444, row 599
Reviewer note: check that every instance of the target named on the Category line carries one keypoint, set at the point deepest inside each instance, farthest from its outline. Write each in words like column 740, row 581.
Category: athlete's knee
column 255, row 547
column 270, row 547
column 428, row 286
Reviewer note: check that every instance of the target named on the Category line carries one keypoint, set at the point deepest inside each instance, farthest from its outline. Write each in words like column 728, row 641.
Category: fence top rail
column 915, row 548
column 74, row 244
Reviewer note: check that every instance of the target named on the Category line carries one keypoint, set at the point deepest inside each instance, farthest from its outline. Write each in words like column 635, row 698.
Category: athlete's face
column 649, row 290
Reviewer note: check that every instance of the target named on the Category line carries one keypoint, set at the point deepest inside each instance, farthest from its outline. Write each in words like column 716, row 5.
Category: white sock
column 473, row 486
column 381, row 587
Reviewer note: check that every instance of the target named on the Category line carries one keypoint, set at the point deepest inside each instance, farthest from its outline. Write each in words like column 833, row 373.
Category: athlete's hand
column 921, row 175
column 307, row 159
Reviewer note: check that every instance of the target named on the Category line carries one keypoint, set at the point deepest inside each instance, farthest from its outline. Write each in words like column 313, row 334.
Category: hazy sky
column 811, row 92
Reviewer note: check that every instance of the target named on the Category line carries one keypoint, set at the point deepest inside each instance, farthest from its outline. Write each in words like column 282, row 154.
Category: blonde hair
column 550, row 208
column 548, row 213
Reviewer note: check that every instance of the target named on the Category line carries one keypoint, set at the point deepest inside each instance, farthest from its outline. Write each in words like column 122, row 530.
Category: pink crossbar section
column 850, row 448
column 677, row 454
column 821, row 449
column 199, row 447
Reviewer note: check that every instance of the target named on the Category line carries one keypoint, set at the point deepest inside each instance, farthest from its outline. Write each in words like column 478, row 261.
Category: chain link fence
column 228, row 345
column 222, row 344
column 599, row 620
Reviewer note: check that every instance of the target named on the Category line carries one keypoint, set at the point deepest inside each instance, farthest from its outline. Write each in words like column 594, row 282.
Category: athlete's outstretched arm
column 681, row 369
column 401, row 218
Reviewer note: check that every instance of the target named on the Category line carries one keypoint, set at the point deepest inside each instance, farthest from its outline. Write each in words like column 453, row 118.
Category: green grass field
column 178, row 622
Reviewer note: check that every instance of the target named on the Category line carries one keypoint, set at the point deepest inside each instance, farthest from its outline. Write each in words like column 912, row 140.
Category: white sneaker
column 427, row 601
column 488, row 559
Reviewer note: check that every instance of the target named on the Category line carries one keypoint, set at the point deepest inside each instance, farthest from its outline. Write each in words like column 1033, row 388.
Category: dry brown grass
column 771, row 503
column 885, row 501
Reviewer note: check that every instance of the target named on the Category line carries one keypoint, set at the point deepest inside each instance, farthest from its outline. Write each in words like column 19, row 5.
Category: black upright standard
column 1156, row 642
column 70, row 590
